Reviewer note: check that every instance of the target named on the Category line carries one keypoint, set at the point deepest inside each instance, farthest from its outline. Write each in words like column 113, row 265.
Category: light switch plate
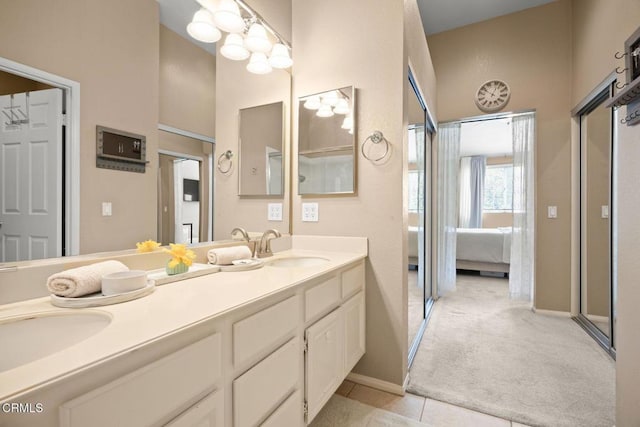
column 552, row 212
column 274, row 212
column 106, row 209
column 310, row 212
column 605, row 211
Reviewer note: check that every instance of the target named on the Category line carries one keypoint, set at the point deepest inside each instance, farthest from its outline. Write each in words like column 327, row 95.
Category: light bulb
column 202, row 27
column 280, row 56
column 330, row 98
column 325, row 111
column 228, row 17
column 312, row 103
column 233, row 48
column 258, row 64
column 256, row 40
column 342, row 107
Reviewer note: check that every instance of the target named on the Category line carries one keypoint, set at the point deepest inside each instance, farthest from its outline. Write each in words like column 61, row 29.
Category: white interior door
column 31, row 176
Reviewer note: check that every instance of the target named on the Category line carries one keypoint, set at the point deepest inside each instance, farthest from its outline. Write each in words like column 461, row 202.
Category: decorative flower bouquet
column 147, row 246
column 181, row 260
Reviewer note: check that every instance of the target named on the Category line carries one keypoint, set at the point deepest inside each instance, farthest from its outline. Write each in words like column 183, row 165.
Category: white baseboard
column 379, row 384
column 552, row 313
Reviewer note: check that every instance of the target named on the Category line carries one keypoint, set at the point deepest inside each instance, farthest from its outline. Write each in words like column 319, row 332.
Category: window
column 416, row 191
column 498, row 188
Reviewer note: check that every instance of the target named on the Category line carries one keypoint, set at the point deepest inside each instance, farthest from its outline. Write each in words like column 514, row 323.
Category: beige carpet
column 343, row 412
column 487, row 353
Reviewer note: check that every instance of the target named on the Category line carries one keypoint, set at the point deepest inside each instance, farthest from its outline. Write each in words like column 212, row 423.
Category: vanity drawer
column 150, row 394
column 321, row 298
column 352, row 280
column 259, row 390
column 263, row 329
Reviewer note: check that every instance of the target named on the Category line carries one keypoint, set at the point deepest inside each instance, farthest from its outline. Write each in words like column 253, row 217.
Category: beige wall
column 599, row 29
column 531, row 51
column 187, row 85
column 236, row 89
column 111, row 49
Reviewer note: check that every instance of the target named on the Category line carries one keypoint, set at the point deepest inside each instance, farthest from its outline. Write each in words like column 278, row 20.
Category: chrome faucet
column 264, row 249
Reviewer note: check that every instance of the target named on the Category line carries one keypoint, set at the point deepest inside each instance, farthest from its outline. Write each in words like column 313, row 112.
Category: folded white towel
column 85, row 280
column 225, row 256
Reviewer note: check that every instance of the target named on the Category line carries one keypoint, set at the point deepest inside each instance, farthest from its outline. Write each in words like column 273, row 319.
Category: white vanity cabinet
column 336, row 341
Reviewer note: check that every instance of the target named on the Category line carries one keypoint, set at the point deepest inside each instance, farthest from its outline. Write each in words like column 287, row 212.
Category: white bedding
column 484, row 244
column 413, row 241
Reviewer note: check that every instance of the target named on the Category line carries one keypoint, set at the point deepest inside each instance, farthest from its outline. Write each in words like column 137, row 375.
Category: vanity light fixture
column 312, row 103
column 330, row 98
column 347, row 123
column 258, row 64
column 248, row 33
column 228, row 17
column 202, row 27
column 325, row 111
column 233, row 48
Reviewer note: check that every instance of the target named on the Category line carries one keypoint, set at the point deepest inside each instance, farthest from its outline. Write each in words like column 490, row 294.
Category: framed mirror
column 327, row 143
column 261, row 144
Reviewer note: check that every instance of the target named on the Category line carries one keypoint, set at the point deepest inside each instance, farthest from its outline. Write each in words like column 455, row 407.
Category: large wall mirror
column 261, row 141
column 326, row 143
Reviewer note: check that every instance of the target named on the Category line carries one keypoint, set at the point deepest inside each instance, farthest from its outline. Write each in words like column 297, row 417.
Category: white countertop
column 169, row 309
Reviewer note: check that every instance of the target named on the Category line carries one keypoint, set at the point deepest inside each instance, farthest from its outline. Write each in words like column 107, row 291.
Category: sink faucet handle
column 264, row 249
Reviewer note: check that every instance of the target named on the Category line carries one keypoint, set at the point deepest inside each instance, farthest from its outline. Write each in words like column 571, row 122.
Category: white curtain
column 448, row 155
column 521, row 272
column 464, row 192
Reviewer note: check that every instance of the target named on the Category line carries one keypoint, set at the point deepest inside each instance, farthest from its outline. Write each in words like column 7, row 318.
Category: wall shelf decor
column 120, row 150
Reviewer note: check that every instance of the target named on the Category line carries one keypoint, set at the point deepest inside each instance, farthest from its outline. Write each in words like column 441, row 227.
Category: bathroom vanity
column 260, row 347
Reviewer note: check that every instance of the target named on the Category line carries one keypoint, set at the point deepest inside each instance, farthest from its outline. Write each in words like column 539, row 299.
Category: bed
column 483, row 249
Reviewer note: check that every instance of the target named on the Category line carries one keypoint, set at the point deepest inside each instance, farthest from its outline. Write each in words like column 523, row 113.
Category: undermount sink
column 291, row 262
column 37, row 335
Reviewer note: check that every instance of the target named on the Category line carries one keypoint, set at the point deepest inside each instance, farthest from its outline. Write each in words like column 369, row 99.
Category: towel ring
column 227, row 155
column 376, row 137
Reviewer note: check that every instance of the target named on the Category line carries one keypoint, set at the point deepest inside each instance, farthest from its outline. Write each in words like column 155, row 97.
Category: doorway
column 419, row 242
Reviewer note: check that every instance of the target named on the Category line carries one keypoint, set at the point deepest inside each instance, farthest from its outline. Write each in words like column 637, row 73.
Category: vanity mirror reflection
column 261, row 141
column 326, row 143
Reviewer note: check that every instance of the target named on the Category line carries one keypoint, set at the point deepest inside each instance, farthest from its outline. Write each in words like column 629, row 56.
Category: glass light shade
column 330, row 98
column 202, row 27
column 280, row 56
column 258, row 64
column 342, row 107
column 256, row 40
column 210, row 5
column 312, row 103
column 325, row 111
column 233, row 48
column 228, row 17
column 347, row 123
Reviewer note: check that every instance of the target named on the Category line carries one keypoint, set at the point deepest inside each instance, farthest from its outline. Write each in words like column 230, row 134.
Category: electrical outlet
column 274, row 212
column 106, row 209
column 552, row 212
column 310, row 212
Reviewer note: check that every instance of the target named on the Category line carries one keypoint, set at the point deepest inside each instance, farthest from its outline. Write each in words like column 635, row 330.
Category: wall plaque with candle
column 120, row 150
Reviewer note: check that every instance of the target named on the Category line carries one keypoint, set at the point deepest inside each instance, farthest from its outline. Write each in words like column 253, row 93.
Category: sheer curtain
column 448, row 158
column 471, row 191
column 521, row 271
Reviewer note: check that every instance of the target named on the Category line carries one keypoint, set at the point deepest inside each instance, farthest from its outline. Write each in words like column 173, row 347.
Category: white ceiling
column 491, row 138
column 443, row 15
column 176, row 14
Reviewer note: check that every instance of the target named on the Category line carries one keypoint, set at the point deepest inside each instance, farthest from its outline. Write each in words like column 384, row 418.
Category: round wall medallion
column 493, row 96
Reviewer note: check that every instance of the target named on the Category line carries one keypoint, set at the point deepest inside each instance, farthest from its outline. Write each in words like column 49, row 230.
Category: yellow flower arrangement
column 147, row 246
column 180, row 255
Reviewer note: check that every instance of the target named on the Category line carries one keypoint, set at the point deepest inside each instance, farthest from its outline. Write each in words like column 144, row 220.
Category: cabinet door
column 324, row 360
column 354, row 331
column 209, row 412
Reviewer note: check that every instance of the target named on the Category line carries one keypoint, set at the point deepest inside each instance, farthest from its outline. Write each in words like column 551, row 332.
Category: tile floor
column 432, row 412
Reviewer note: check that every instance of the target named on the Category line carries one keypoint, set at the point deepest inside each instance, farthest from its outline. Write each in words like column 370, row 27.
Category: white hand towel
column 225, row 256
column 85, row 280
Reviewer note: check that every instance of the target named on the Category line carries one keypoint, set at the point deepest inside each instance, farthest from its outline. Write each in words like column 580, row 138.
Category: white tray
column 242, row 265
column 161, row 277
column 97, row 299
